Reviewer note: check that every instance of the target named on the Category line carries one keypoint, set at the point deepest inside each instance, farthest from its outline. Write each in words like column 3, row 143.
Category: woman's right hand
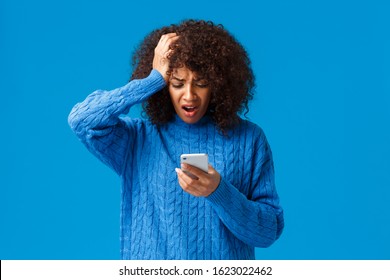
column 161, row 53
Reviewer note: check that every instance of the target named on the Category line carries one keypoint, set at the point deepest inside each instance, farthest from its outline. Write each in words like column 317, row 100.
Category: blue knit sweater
column 158, row 219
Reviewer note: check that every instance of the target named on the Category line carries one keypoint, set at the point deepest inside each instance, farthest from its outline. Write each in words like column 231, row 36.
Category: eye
column 201, row 85
column 176, row 85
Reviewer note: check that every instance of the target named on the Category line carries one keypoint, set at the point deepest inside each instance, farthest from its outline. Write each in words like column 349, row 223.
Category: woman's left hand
column 203, row 185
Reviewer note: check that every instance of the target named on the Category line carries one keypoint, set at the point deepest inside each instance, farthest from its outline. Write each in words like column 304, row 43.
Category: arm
column 256, row 219
column 96, row 120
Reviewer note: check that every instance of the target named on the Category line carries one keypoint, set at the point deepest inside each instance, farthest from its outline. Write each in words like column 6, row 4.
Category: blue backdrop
column 323, row 99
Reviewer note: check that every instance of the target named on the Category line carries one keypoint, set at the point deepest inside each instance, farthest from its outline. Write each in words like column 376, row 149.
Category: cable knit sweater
column 158, row 219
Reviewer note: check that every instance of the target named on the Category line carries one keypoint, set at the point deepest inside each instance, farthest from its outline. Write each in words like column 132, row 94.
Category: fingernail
column 183, row 165
column 177, row 170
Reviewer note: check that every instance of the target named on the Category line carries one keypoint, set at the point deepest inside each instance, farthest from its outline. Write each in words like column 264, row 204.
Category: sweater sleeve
column 97, row 123
column 256, row 219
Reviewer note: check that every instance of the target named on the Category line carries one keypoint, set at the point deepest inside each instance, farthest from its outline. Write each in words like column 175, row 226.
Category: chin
column 190, row 121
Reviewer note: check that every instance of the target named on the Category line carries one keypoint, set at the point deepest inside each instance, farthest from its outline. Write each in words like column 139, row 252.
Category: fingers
column 204, row 183
column 192, row 169
column 188, row 184
column 211, row 170
column 164, row 45
column 162, row 53
column 168, row 38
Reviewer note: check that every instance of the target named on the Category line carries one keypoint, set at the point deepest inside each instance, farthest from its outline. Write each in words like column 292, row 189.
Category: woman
column 193, row 79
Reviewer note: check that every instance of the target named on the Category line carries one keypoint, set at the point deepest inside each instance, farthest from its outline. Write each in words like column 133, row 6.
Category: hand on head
column 162, row 52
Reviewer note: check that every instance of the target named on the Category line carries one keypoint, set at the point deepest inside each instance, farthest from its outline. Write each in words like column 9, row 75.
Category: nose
column 189, row 93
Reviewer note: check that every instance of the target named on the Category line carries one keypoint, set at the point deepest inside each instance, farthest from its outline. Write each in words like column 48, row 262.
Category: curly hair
column 210, row 51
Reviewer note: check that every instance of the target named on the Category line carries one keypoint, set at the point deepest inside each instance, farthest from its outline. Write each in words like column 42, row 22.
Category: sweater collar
column 206, row 119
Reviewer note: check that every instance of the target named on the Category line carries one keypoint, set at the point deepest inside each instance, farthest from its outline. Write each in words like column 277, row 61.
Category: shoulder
column 138, row 126
column 251, row 131
column 257, row 141
column 253, row 138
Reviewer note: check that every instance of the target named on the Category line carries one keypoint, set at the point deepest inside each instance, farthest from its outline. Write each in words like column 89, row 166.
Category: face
column 190, row 94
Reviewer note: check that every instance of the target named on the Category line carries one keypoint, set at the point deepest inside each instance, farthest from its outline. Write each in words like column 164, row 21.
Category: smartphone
column 200, row 161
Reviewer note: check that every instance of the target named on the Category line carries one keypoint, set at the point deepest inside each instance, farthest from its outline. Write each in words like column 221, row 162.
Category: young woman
column 194, row 79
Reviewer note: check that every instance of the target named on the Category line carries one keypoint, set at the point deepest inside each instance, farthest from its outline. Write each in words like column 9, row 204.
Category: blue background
column 323, row 99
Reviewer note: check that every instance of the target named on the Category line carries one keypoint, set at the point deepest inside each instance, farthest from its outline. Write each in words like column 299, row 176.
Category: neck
column 202, row 122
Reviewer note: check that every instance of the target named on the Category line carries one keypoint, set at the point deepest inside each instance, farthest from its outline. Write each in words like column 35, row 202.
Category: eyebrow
column 176, row 78
column 182, row 80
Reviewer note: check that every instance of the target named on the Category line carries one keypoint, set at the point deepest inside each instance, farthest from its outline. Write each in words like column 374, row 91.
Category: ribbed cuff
column 223, row 195
column 155, row 81
column 138, row 90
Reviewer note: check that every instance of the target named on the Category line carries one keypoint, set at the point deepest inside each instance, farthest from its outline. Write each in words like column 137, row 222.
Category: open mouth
column 189, row 109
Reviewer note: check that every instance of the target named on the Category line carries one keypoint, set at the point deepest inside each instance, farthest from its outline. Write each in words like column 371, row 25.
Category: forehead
column 184, row 73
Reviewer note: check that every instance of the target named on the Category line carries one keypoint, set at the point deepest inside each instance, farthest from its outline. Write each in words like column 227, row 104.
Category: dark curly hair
column 213, row 53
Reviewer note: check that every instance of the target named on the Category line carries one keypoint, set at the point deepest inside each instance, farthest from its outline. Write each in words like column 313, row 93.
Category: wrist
column 162, row 73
